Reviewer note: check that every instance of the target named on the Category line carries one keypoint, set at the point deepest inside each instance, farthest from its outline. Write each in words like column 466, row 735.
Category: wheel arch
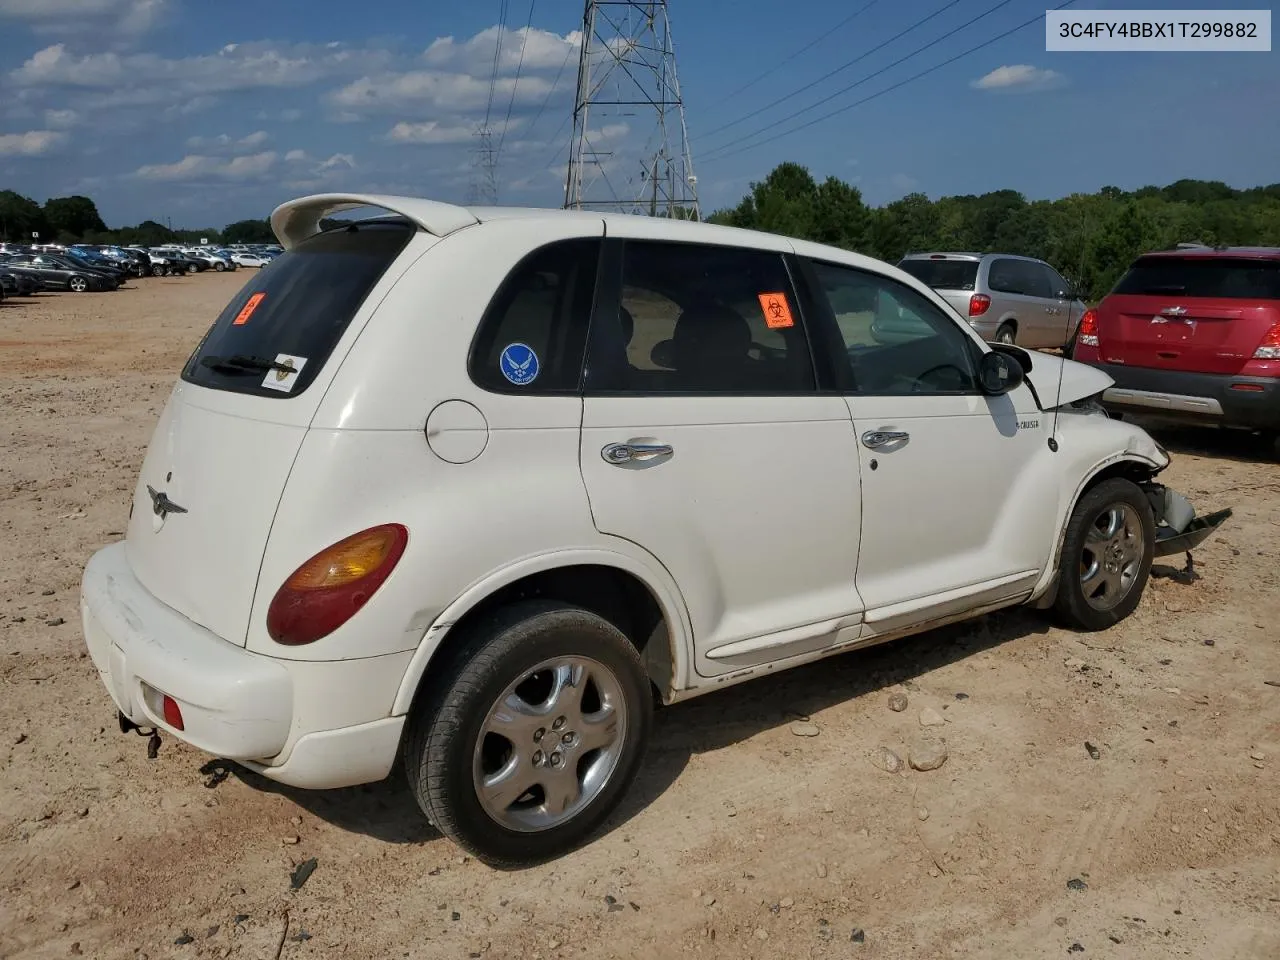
column 1127, row 466
column 642, row 602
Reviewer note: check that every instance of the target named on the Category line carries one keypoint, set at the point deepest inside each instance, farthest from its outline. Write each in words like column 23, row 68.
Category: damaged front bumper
column 1178, row 529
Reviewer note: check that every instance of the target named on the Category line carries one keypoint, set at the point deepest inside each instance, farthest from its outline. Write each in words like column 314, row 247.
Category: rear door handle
column 878, row 438
column 619, row 453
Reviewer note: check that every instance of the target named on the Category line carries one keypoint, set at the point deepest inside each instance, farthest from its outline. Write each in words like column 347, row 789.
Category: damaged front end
column 1178, row 529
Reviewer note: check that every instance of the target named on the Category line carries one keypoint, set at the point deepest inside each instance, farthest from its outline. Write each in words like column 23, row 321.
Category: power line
column 901, row 83
column 871, row 76
column 808, row 46
column 519, row 66
column 826, row 76
column 497, row 55
column 554, row 84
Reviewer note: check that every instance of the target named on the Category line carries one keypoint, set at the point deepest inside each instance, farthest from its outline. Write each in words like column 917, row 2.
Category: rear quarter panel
column 367, row 461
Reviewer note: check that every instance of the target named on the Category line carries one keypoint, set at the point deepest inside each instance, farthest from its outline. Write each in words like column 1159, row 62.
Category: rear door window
column 943, row 274
column 1217, row 278
column 292, row 315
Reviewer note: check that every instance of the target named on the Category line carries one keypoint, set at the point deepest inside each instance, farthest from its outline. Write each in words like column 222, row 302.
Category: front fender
column 644, row 568
column 1091, row 444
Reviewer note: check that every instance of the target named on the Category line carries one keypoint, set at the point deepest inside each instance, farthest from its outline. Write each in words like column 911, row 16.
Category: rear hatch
column 226, row 441
column 1196, row 314
column 953, row 277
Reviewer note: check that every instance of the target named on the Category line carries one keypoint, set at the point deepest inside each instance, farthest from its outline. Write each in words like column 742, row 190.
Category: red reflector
column 978, row 304
column 1249, row 387
column 172, row 712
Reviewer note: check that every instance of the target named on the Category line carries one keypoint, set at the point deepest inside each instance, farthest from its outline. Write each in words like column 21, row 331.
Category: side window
column 896, row 341
column 698, row 319
column 534, row 334
column 1036, row 281
column 1057, row 285
column 1004, row 277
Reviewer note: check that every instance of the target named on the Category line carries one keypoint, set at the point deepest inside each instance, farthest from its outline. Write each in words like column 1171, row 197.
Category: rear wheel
column 1106, row 556
column 1006, row 334
column 532, row 733
column 192, row 268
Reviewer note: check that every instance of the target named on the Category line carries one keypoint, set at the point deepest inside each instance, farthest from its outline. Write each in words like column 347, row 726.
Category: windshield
column 943, row 274
column 1218, row 278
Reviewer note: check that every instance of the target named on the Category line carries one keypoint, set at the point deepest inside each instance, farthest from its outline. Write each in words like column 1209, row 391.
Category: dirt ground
column 743, row 838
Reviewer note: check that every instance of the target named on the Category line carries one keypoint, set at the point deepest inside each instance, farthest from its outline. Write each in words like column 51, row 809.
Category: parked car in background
column 1192, row 335
column 57, row 273
column 18, row 283
column 477, row 541
column 249, row 260
column 1007, row 298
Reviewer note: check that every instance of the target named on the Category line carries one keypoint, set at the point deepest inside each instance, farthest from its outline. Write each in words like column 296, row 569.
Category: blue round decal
column 519, row 364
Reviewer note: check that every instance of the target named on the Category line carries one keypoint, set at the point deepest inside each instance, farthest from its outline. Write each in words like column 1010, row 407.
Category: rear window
column 1220, row 278
column 293, row 312
column 943, row 274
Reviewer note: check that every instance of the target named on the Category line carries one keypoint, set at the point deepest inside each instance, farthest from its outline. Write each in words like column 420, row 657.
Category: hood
column 1058, row 381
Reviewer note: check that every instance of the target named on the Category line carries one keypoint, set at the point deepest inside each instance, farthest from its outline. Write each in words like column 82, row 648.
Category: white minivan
column 469, row 489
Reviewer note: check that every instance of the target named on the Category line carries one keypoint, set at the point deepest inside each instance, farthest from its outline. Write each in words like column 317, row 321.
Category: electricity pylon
column 630, row 147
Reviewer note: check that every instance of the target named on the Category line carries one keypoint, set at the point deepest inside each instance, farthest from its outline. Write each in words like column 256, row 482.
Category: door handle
column 619, row 453
column 878, row 438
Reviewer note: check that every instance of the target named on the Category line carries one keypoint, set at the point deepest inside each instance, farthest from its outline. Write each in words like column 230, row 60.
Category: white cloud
column 312, row 174
column 199, row 167
column 243, row 66
column 1019, row 76
column 82, row 16
column 285, row 116
column 542, row 50
column 431, row 132
column 61, row 118
column 454, row 92
column 226, row 141
column 30, row 144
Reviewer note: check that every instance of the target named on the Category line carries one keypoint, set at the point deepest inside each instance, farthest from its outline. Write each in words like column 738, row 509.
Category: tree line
column 75, row 219
column 1089, row 238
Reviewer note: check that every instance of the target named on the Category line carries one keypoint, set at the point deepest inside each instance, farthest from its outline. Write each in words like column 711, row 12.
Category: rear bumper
column 308, row 724
column 1194, row 397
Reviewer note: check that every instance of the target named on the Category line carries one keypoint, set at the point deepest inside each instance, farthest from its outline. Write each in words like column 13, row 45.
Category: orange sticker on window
column 777, row 313
column 243, row 316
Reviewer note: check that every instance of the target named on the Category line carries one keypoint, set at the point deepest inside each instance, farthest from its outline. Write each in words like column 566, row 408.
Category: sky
column 203, row 113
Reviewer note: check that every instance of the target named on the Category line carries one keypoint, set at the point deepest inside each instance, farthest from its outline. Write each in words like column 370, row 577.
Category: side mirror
column 998, row 373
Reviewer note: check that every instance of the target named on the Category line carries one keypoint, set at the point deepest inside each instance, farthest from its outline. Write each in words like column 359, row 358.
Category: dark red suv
column 1192, row 334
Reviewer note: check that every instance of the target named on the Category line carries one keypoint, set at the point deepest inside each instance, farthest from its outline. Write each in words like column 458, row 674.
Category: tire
column 159, row 270
column 1090, row 596
column 1007, row 333
column 457, row 714
column 192, row 268
column 77, row 284
column 220, row 267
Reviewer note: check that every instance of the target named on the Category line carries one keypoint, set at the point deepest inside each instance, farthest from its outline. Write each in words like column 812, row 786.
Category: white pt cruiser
column 470, row 489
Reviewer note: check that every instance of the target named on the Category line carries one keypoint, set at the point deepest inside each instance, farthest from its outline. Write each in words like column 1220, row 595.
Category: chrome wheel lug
column 559, row 722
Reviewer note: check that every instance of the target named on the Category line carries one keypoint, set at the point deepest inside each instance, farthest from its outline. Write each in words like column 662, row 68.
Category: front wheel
column 532, row 734
column 78, row 284
column 1106, row 556
column 219, row 267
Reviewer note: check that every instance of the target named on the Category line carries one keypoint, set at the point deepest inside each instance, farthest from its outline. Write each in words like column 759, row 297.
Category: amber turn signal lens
column 347, row 561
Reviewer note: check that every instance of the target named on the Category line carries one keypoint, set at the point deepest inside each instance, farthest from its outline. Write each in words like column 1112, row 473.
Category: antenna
column 630, row 147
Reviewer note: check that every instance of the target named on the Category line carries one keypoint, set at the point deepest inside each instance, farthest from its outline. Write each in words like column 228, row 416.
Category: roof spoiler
column 294, row 221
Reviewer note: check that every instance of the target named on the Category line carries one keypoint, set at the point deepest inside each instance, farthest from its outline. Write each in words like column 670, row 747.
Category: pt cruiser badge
column 161, row 505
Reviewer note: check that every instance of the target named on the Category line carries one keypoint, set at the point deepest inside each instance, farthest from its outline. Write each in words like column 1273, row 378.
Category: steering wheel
column 919, row 383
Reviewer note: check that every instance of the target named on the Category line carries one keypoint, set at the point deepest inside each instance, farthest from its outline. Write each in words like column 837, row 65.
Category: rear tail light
column 1269, row 349
column 1088, row 332
column 978, row 304
column 327, row 590
column 172, row 712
